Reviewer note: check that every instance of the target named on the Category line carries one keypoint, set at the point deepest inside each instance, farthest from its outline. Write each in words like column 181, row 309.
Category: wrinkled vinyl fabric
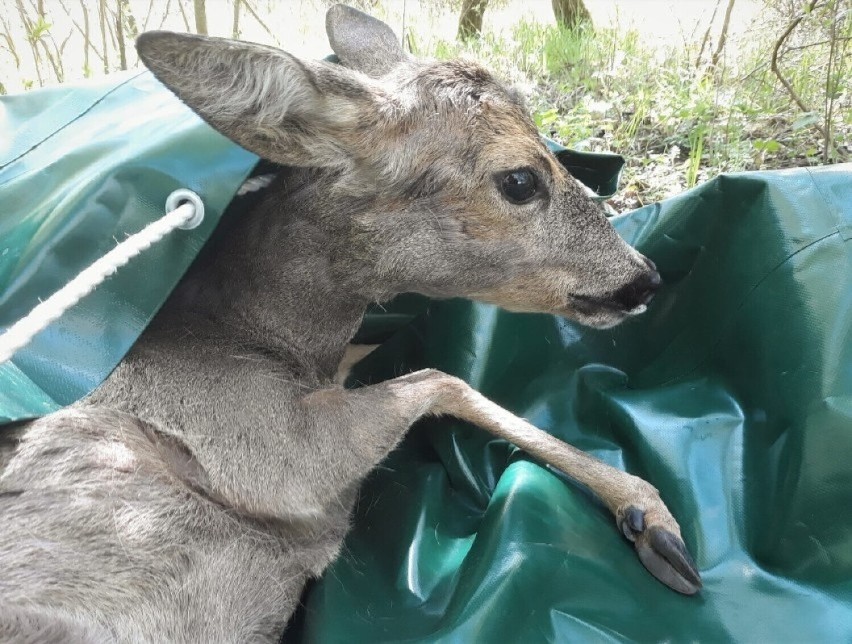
column 731, row 395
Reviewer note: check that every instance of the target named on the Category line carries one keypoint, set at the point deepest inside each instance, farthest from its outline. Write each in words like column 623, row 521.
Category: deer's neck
column 272, row 282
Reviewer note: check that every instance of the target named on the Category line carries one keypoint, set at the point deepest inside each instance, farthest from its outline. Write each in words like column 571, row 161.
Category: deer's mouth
column 628, row 300
column 590, row 305
column 547, row 294
column 599, row 313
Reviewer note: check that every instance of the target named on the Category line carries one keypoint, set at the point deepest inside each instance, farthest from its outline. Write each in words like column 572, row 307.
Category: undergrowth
column 676, row 122
column 678, row 113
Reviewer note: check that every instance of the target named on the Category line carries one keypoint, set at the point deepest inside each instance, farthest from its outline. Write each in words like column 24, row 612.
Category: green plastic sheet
column 82, row 167
column 731, row 395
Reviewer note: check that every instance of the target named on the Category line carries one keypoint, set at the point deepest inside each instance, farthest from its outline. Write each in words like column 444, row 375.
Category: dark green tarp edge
column 731, row 395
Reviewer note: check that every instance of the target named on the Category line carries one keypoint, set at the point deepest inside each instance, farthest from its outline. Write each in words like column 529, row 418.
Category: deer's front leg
column 379, row 415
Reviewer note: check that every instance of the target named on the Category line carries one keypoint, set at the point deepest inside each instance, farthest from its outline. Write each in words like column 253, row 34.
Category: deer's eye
column 519, row 186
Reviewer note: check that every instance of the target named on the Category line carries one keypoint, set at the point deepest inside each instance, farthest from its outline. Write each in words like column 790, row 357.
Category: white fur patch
column 116, row 456
column 253, row 184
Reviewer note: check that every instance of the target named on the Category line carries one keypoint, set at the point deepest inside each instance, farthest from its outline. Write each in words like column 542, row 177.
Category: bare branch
column 147, row 16
column 235, row 27
column 84, row 31
column 10, row 44
column 102, row 20
column 260, row 21
column 817, row 44
column 28, row 26
column 774, row 62
column 183, row 14
column 828, row 146
column 166, row 15
column 200, row 16
column 65, row 42
column 119, row 31
column 723, row 35
column 110, row 30
column 706, row 38
column 55, row 61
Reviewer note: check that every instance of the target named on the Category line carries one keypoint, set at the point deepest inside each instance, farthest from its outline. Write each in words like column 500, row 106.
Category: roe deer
column 193, row 494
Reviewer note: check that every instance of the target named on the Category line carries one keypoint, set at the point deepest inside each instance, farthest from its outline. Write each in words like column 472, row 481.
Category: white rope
column 185, row 211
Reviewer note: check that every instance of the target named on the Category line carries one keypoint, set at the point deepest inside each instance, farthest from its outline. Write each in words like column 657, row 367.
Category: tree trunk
column 470, row 19
column 200, row 17
column 119, row 34
column 235, row 26
column 87, row 43
column 102, row 11
column 723, row 35
column 571, row 13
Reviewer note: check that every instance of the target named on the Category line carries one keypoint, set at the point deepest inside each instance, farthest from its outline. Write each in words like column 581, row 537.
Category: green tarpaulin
column 733, row 394
column 80, row 169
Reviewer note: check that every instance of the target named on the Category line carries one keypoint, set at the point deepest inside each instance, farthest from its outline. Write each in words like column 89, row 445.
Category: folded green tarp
column 731, row 395
column 80, row 169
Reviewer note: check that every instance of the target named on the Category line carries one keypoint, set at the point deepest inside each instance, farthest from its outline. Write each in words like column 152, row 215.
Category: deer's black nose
column 650, row 264
column 640, row 291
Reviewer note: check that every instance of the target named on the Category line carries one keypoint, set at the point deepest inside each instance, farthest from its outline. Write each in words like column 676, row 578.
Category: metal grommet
column 182, row 196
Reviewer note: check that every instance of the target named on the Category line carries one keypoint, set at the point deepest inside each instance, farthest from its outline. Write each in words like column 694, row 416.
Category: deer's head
column 441, row 182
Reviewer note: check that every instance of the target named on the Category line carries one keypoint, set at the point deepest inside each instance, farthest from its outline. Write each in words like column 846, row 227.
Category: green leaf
column 771, row 146
column 548, row 117
column 806, row 120
column 39, row 29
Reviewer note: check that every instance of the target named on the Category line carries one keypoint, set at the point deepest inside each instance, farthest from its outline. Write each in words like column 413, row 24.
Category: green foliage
column 607, row 89
column 771, row 146
column 696, row 148
column 38, row 29
column 678, row 119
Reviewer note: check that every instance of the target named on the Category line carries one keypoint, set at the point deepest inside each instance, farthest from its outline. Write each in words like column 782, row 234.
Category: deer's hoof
column 662, row 552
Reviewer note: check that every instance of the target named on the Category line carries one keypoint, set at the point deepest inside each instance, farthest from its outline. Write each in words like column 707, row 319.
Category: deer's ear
column 289, row 111
column 362, row 42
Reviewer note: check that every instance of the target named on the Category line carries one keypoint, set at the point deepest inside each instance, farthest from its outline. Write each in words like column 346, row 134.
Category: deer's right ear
column 363, row 42
column 290, row 111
